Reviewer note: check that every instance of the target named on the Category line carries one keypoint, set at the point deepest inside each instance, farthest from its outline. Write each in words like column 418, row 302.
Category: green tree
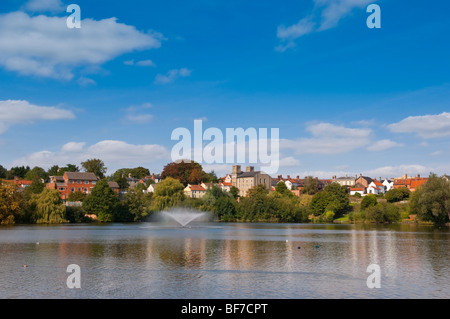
column 281, row 188
column 168, row 193
column 103, row 202
column 397, row 194
column 234, row 191
column 137, row 204
column 77, row 196
column 3, row 172
column 431, row 201
column 95, row 166
column 11, row 204
column 18, row 171
column 36, row 186
column 369, row 200
column 310, row 186
column 140, row 172
column 48, row 207
column 38, row 172
column 382, row 213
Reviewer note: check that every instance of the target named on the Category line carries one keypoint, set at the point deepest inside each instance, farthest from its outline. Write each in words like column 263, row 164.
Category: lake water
column 224, row 260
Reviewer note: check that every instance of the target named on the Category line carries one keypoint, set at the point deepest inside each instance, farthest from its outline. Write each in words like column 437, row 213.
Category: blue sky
column 347, row 99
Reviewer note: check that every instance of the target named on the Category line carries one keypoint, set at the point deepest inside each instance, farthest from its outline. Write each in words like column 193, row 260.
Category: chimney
column 298, row 176
column 249, row 169
column 334, row 177
column 418, row 175
column 360, row 174
column 288, row 177
column 280, row 177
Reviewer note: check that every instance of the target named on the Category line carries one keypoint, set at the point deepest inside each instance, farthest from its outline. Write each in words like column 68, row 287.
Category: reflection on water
column 224, row 261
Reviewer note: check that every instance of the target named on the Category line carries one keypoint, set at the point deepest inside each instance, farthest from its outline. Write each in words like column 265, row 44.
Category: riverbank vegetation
column 37, row 204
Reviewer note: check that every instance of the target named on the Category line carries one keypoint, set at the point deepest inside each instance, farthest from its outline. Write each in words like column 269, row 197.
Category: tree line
column 37, row 204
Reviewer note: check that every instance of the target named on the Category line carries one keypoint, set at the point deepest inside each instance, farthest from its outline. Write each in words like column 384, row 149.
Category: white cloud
column 399, row 170
column 43, row 46
column 329, row 139
column 13, row 112
column 114, row 153
column 172, row 75
column 44, row 5
column 140, row 63
column 326, row 15
column 73, row 147
column 383, row 145
column 426, row 126
column 139, row 118
column 135, row 115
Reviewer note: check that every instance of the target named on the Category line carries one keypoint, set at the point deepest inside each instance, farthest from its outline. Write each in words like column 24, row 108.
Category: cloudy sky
column 346, row 99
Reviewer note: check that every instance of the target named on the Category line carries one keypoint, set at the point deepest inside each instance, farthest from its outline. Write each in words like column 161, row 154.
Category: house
column 114, row 186
column 412, row 183
column 345, row 180
column 155, row 177
column 71, row 182
column 76, row 181
column 249, row 179
column 375, row 187
column 194, row 191
column 226, row 179
column 151, row 188
column 446, row 177
column 388, row 184
column 22, row 183
column 225, row 186
column 363, row 180
column 357, row 189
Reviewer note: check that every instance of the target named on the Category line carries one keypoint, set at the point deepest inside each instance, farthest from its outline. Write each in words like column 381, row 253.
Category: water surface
column 222, row 260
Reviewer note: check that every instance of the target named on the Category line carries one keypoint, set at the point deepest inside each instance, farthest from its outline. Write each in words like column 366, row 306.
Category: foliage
column 3, row 172
column 48, row 207
column 103, row 202
column 168, row 193
column 281, row 188
column 234, row 191
column 368, row 201
column 333, row 198
column 187, row 172
column 18, row 171
column 95, row 166
column 77, row 196
column 431, row 201
column 11, row 204
column 383, row 213
column 137, row 204
column 397, row 194
column 36, row 172
column 36, row 186
column 310, row 186
column 76, row 214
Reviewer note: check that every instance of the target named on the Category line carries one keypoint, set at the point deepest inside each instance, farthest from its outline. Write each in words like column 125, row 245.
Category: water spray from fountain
column 182, row 216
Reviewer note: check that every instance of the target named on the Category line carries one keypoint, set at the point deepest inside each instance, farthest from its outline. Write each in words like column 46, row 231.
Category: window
column 86, row 182
column 85, row 190
column 93, row 182
column 72, row 189
column 71, row 182
column 78, row 182
column 79, row 189
column 62, row 189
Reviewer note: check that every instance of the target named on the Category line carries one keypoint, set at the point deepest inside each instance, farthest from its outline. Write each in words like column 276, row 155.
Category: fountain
column 183, row 217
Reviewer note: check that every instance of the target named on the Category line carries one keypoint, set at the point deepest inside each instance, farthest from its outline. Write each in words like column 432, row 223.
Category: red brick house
column 71, row 182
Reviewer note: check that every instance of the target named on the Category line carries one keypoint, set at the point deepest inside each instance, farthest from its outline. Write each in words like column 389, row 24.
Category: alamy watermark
column 74, row 20
column 73, row 280
column 374, row 279
column 252, row 146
